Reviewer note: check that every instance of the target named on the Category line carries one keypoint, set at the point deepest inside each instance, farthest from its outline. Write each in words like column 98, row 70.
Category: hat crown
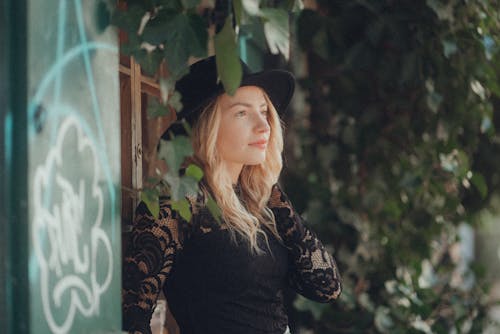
column 201, row 85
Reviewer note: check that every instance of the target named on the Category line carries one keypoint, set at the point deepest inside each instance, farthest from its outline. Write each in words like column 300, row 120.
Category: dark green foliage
column 396, row 152
column 170, row 30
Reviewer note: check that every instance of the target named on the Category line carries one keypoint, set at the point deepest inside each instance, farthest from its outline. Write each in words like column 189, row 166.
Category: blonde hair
column 247, row 213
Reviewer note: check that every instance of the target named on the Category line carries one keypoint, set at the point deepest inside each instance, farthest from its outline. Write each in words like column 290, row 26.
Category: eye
column 264, row 112
column 241, row 113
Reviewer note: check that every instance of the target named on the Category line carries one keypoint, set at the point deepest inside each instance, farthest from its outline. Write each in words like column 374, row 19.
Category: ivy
column 400, row 137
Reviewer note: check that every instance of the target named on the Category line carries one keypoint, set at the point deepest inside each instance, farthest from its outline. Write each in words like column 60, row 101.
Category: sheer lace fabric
column 215, row 285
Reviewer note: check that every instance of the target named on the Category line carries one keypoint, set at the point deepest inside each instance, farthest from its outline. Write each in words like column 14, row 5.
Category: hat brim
column 279, row 85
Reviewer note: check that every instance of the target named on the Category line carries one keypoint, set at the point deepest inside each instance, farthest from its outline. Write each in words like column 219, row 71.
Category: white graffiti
column 67, row 236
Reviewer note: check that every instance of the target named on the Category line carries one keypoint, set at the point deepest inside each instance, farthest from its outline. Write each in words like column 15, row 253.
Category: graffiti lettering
column 70, row 278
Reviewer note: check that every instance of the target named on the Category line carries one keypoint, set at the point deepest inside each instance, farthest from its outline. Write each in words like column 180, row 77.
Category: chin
column 255, row 162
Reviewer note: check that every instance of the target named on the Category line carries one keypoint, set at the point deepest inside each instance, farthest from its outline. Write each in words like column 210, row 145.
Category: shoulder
column 166, row 219
column 278, row 198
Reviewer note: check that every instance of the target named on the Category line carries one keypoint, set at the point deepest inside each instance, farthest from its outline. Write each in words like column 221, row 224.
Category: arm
column 314, row 273
column 148, row 260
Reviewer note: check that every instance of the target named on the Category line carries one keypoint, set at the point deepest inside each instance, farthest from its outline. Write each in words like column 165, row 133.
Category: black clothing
column 215, row 285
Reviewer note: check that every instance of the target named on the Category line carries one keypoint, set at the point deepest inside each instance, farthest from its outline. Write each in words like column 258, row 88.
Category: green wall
column 4, row 105
column 63, row 224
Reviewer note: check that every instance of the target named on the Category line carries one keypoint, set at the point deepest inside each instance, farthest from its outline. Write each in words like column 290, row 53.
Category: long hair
column 245, row 213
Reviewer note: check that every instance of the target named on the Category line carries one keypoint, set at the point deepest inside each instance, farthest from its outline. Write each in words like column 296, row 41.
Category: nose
column 262, row 123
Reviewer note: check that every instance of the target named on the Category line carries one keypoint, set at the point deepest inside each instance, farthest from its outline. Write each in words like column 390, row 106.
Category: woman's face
column 244, row 128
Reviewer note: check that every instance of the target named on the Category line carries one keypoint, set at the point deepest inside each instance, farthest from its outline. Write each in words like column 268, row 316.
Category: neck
column 234, row 170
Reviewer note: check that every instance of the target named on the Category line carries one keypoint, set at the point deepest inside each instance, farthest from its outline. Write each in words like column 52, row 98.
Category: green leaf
column 253, row 30
column 175, row 151
column 180, row 187
column 238, row 11
column 174, row 101
column 128, row 20
column 194, row 171
column 182, row 206
column 295, row 6
column 449, row 48
column 442, row 11
column 463, row 163
column 251, row 7
column 131, row 46
column 188, row 4
column 156, row 109
column 277, row 30
column 152, row 180
column 227, row 58
column 383, row 321
column 392, row 209
column 159, row 27
column 171, row 97
column 182, row 35
column 214, row 209
column 486, row 124
column 188, row 37
column 434, row 101
column 479, row 182
column 478, row 88
column 150, row 61
column 150, row 197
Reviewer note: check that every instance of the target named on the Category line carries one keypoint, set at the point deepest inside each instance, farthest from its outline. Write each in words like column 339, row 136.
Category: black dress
column 215, row 284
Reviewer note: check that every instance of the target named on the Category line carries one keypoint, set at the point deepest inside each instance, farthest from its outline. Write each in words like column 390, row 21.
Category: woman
column 228, row 277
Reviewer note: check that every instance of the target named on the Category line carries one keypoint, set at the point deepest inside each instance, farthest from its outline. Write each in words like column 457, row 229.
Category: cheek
column 231, row 136
column 228, row 145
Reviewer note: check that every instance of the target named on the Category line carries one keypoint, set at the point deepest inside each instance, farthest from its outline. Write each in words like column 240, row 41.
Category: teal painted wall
column 74, row 172
column 4, row 105
column 63, row 224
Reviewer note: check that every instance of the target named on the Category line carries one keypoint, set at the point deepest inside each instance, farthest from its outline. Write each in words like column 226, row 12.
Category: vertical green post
column 14, row 185
column 4, row 99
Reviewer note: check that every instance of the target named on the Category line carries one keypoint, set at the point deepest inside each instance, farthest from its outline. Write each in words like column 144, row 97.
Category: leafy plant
column 395, row 151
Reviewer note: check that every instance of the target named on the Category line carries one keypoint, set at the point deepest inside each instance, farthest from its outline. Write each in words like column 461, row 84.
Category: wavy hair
column 244, row 213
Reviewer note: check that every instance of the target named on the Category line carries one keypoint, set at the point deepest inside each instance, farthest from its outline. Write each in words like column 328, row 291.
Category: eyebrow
column 248, row 105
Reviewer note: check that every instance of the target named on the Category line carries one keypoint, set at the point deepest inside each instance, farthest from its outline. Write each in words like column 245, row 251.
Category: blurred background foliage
column 399, row 148
column 392, row 149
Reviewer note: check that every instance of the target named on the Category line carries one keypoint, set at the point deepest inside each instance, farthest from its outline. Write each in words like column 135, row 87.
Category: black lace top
column 215, row 285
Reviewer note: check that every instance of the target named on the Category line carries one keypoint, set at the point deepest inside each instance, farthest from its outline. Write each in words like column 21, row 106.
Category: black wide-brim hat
column 201, row 85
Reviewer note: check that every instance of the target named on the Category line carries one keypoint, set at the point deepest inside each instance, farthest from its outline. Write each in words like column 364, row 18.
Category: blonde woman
column 228, row 277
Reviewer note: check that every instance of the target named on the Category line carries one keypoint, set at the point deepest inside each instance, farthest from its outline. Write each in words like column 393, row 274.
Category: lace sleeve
column 314, row 273
column 150, row 254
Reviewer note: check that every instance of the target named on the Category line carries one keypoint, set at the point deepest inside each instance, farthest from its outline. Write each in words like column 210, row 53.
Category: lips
column 260, row 143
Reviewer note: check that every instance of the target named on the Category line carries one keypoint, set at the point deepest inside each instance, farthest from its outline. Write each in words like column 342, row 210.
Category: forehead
column 251, row 95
